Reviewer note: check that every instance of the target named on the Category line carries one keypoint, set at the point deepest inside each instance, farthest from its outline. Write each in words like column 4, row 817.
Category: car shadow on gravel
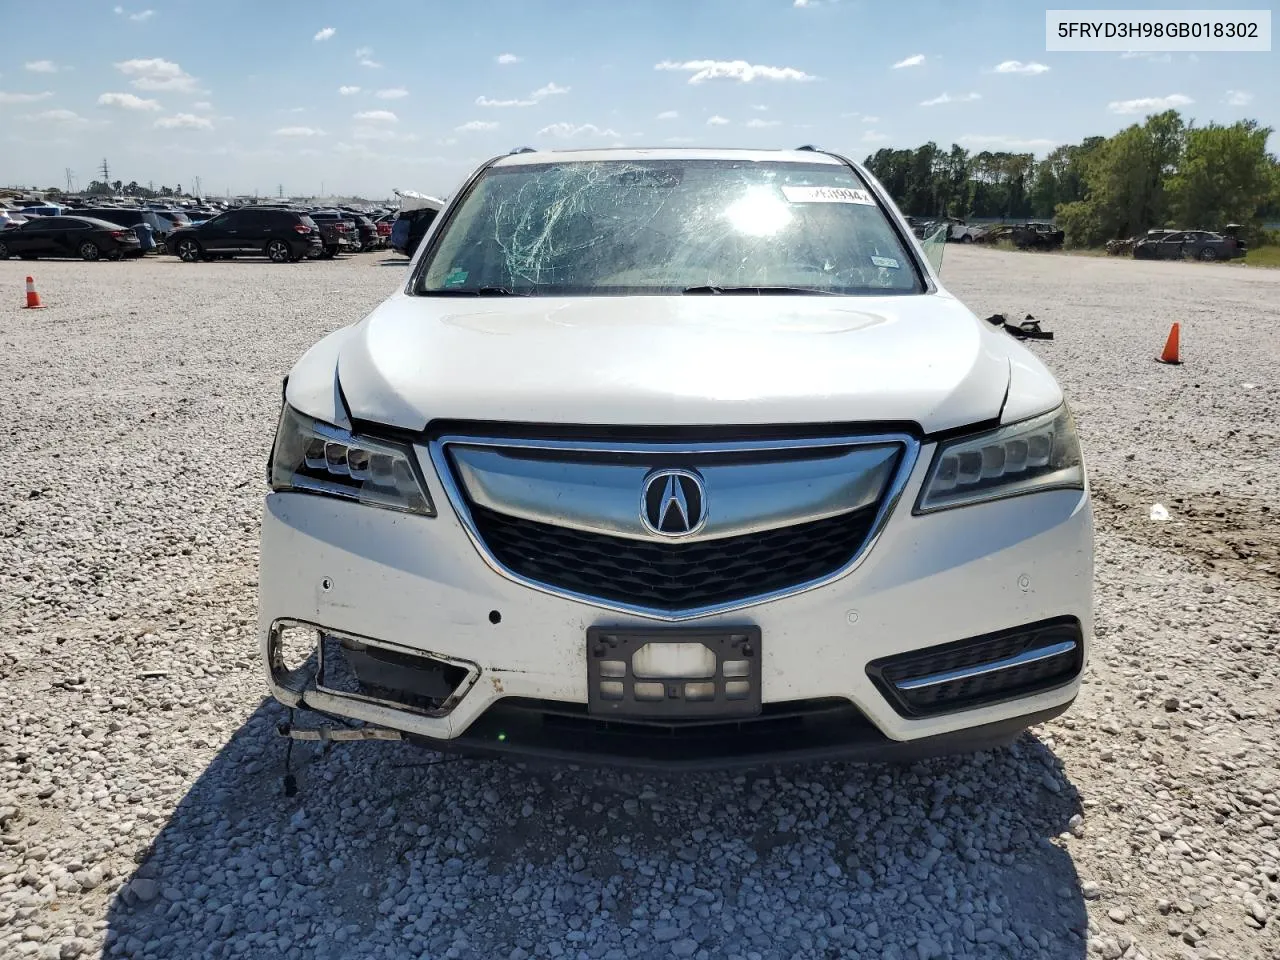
column 386, row 851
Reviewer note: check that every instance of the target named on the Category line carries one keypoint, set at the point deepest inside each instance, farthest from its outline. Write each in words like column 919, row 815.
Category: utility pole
column 198, row 193
column 280, row 191
column 69, row 187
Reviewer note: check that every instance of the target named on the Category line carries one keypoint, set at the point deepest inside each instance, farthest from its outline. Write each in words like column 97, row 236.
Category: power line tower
column 106, row 172
column 70, row 174
column 280, row 191
column 198, row 192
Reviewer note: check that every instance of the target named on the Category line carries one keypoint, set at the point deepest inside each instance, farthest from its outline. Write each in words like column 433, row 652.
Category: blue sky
column 366, row 97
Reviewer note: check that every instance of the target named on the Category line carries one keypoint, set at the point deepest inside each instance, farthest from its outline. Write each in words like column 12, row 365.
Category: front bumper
column 418, row 584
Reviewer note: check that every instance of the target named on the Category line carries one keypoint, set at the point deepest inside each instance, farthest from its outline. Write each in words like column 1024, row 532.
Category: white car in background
column 676, row 457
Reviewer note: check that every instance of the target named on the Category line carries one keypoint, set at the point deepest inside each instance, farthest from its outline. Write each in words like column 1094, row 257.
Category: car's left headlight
column 1041, row 453
column 314, row 457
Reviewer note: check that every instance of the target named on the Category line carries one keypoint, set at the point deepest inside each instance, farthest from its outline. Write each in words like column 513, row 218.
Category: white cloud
column 757, row 123
column 118, row 10
column 550, row 90
column 802, row 3
column 759, row 106
column 24, row 97
column 669, row 115
column 1238, row 98
column 912, row 61
column 299, row 132
column 184, row 121
column 475, row 126
column 377, row 116
column 717, row 121
column 1147, row 55
column 392, row 93
column 66, row 117
column 507, row 58
column 1017, row 66
column 1149, row 104
column 41, row 66
column 202, row 105
column 142, row 16
column 867, row 118
column 365, row 56
column 348, row 91
column 158, row 74
column 702, row 70
column 127, row 101
column 874, row 136
column 489, row 102
column 324, row 34
column 948, row 98
column 1007, row 142
column 568, row 130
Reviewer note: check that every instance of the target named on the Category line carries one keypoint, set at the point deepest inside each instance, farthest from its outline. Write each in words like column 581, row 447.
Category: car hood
column 663, row 360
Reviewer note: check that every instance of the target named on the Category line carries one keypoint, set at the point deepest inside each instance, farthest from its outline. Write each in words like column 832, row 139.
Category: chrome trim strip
column 966, row 673
column 437, row 451
column 738, row 499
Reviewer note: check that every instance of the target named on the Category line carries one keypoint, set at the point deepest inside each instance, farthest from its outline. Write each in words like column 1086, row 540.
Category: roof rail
column 524, row 150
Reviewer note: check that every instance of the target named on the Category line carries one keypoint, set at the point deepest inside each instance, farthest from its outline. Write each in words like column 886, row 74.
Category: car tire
column 89, row 251
column 329, row 253
column 4, row 250
column 966, row 239
column 278, row 252
column 1208, row 254
column 188, row 250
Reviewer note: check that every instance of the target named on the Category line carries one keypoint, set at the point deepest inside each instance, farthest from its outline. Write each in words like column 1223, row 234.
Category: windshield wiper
column 716, row 289
column 478, row 292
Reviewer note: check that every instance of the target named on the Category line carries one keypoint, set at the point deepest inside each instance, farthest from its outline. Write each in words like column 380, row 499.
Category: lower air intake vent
column 981, row 670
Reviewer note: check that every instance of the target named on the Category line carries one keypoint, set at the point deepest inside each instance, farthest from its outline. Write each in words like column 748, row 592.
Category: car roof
column 666, row 153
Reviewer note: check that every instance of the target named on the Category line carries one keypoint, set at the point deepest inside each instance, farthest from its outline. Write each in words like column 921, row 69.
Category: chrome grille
column 567, row 516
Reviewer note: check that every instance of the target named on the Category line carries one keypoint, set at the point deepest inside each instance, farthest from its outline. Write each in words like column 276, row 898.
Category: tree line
column 1163, row 172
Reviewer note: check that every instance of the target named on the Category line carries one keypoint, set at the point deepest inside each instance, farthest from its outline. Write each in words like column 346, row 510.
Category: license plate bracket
column 673, row 679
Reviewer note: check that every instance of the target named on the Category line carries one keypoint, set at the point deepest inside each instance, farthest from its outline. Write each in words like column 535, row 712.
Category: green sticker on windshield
column 456, row 277
column 885, row 262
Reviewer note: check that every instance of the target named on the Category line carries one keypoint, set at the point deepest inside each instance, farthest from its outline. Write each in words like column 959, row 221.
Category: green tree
column 1225, row 175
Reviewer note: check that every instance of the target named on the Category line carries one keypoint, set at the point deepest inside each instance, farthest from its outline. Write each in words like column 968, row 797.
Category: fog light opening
column 293, row 654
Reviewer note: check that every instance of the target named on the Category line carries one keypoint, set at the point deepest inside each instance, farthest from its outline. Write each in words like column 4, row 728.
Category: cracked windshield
column 669, row 227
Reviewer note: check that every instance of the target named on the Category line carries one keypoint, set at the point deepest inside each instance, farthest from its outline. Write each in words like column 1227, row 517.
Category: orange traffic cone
column 33, row 298
column 1170, row 354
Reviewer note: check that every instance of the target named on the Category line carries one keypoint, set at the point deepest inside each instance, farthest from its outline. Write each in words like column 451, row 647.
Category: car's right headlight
column 1041, row 453
column 310, row 456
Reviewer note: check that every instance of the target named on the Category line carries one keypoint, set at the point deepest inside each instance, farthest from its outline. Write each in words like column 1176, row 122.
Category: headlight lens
column 315, row 457
column 1042, row 453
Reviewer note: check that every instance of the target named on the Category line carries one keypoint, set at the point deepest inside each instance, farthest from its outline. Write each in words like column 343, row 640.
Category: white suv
column 676, row 457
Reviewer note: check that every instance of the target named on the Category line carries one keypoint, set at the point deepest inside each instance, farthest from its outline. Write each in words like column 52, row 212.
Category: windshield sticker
column 827, row 195
column 456, row 277
column 885, row 262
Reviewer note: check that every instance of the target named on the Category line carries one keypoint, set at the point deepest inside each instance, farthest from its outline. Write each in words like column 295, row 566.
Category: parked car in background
column 177, row 219
column 282, row 236
column 84, row 237
column 339, row 231
column 130, row 217
column 959, row 231
column 367, row 234
column 615, row 484
column 1037, row 236
column 11, row 218
column 1188, row 245
column 384, row 223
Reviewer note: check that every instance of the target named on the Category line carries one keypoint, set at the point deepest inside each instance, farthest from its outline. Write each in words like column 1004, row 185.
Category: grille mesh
column 672, row 576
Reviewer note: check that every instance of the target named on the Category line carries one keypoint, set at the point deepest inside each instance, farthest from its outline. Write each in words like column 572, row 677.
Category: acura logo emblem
column 674, row 503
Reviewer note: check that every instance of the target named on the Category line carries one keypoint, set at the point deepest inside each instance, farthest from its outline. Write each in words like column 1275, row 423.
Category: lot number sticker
column 827, row 195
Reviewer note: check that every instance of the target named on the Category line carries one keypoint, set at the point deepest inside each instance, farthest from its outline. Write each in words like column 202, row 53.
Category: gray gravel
column 141, row 813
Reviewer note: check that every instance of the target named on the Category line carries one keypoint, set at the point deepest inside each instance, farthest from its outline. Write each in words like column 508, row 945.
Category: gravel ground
column 141, row 812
